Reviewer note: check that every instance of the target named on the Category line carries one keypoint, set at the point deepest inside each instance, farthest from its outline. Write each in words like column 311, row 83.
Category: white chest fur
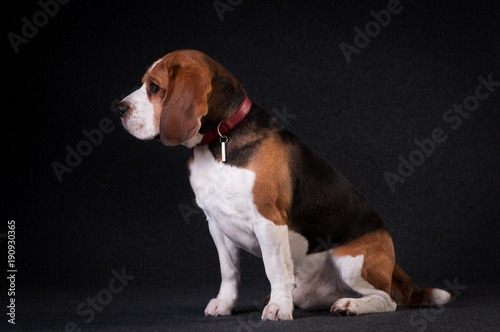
column 224, row 192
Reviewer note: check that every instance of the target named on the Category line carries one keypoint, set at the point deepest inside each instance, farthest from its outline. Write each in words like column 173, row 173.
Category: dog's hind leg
column 366, row 265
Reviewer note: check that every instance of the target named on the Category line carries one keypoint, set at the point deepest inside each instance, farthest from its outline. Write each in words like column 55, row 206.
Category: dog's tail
column 406, row 293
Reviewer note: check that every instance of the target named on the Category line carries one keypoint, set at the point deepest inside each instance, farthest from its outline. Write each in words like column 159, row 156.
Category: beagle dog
column 265, row 191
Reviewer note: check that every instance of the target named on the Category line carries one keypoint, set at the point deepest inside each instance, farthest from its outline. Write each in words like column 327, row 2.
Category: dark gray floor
column 475, row 308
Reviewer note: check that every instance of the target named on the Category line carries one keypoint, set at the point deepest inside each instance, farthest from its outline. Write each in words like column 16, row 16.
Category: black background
column 121, row 207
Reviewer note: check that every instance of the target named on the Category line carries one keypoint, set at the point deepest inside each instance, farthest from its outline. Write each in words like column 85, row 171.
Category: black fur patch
column 326, row 209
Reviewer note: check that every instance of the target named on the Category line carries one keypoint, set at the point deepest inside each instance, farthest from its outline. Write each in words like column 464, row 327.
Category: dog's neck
column 225, row 126
column 224, row 98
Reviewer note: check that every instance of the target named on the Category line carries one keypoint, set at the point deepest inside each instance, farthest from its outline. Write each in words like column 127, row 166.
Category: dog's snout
column 122, row 108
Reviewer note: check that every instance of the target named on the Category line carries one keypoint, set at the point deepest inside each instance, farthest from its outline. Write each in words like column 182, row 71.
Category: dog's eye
column 153, row 88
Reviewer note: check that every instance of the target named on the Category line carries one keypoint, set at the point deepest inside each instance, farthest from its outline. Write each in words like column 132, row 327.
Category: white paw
column 345, row 307
column 274, row 311
column 219, row 307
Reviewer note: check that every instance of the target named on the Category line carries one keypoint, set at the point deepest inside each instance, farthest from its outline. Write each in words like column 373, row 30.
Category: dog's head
column 183, row 95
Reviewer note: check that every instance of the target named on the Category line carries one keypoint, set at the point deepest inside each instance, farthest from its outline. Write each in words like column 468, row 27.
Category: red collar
column 230, row 123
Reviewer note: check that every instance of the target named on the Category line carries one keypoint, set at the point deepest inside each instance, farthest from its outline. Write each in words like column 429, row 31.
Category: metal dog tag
column 223, row 140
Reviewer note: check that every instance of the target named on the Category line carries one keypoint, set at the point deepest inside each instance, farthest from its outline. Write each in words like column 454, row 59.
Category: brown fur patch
column 379, row 258
column 272, row 191
column 402, row 286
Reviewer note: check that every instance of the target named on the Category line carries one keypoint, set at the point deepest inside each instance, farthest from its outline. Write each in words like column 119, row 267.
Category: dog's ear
column 185, row 104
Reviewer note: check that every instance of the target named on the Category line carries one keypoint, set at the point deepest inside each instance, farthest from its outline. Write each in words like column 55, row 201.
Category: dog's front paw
column 219, row 307
column 275, row 311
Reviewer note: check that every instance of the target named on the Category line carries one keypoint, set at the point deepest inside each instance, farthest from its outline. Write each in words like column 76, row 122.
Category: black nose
column 121, row 108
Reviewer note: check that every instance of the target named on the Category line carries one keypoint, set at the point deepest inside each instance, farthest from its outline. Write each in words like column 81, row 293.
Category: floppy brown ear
column 185, row 104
